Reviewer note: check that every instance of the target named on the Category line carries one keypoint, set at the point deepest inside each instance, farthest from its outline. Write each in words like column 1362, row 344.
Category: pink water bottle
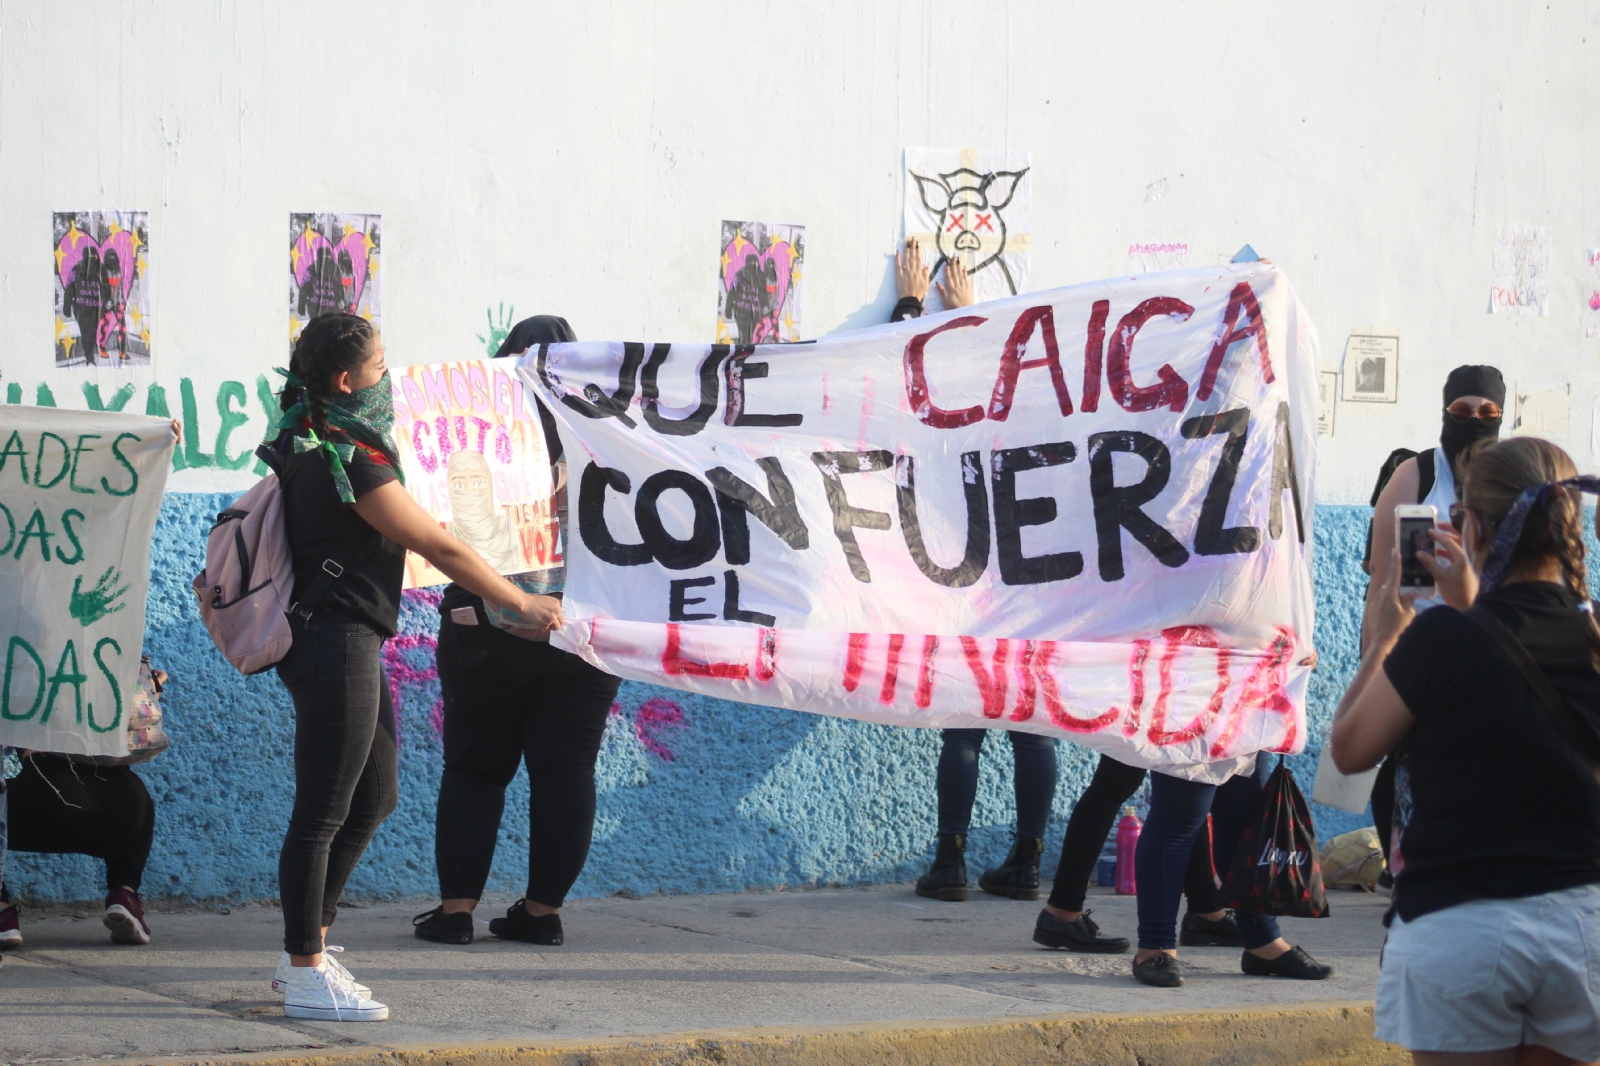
column 1127, row 843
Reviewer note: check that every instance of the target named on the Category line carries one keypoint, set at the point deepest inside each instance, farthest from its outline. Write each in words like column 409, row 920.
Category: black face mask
column 1456, row 435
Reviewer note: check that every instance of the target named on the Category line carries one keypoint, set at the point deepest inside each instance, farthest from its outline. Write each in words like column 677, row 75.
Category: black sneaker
column 1198, row 932
column 518, row 924
column 442, row 928
column 1160, row 970
column 1018, row 876
column 1293, row 963
column 946, row 879
column 1081, row 935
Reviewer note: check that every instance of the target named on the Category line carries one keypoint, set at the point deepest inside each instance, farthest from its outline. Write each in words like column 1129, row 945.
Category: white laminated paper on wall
column 1084, row 512
column 79, row 494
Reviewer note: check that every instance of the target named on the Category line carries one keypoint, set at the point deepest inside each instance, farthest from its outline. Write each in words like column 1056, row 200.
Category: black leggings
column 1034, row 779
column 345, row 771
column 509, row 700
column 1092, row 818
column 66, row 808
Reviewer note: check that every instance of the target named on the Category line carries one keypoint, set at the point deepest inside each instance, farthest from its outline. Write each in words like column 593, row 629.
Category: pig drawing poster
column 758, row 282
column 475, row 459
column 333, row 266
column 975, row 205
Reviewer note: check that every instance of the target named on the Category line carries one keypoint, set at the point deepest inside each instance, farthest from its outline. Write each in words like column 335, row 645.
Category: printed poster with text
column 475, row 459
column 79, row 493
column 333, row 266
column 102, row 288
column 975, row 205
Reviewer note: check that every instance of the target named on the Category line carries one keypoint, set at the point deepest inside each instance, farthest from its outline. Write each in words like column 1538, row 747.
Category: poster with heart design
column 102, row 288
column 758, row 282
column 333, row 266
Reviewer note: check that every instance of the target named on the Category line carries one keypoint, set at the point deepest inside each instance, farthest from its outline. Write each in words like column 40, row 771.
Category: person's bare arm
column 391, row 511
column 1401, row 489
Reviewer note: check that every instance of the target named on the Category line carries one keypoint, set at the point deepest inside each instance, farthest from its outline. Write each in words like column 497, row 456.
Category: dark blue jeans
column 958, row 779
column 345, row 769
column 1178, row 812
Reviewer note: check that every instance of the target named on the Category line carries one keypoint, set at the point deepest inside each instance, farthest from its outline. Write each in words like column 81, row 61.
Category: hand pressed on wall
column 910, row 273
column 956, row 288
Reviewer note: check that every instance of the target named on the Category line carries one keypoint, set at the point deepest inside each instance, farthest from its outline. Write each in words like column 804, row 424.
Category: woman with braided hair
column 349, row 522
column 1493, row 699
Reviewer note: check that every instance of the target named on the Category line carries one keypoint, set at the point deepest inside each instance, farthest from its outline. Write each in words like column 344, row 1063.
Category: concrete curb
column 1327, row 1034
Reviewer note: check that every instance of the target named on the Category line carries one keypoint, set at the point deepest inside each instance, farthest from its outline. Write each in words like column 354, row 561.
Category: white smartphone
column 1412, row 521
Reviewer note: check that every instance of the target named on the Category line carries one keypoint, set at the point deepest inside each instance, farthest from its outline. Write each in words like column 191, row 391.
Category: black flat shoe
column 1293, row 963
column 518, row 924
column 946, row 879
column 1081, row 935
column 1198, row 932
column 1018, row 876
column 442, row 928
column 1159, row 970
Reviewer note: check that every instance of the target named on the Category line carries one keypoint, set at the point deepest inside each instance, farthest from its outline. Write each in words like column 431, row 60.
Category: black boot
column 946, row 879
column 1018, row 876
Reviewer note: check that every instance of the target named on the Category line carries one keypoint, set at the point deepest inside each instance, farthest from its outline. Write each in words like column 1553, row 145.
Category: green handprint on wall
column 497, row 331
column 89, row 607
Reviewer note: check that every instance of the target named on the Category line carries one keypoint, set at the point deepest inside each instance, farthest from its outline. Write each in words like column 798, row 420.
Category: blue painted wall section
column 696, row 794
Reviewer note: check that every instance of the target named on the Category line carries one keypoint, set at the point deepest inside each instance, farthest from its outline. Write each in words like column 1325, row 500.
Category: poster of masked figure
column 333, row 266
column 474, row 457
column 758, row 282
column 102, row 288
column 975, row 205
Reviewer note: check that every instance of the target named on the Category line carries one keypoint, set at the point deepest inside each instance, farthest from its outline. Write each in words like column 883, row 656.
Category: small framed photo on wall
column 1371, row 369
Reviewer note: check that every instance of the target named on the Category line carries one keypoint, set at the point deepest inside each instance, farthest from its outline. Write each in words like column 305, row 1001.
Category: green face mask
column 373, row 405
column 364, row 419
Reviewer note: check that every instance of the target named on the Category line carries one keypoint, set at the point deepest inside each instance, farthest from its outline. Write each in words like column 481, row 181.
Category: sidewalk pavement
column 659, row 967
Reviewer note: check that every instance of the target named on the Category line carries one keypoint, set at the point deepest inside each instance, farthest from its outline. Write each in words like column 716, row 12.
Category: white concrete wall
column 577, row 158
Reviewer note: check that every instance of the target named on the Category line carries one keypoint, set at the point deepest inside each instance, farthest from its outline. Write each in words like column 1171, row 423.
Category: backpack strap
column 333, row 567
column 1579, row 735
column 1425, row 474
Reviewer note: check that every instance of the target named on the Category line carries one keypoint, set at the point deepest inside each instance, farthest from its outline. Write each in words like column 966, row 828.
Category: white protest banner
column 1084, row 512
column 475, row 460
column 79, row 492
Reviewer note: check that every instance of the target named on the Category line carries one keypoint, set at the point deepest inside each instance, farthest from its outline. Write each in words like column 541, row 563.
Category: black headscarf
column 540, row 329
column 1455, row 435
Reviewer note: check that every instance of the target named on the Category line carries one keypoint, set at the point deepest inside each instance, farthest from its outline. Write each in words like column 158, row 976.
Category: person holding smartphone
column 1474, row 399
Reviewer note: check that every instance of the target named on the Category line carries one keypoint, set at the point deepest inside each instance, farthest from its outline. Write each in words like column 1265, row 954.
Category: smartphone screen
column 1414, row 538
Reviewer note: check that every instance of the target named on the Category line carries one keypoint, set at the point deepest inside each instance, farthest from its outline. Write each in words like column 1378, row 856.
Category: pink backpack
column 246, row 588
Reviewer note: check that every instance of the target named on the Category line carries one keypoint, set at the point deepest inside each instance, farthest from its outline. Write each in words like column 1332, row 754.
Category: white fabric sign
column 79, row 492
column 1084, row 512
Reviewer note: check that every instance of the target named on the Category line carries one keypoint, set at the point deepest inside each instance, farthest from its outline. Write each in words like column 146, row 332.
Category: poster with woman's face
column 102, row 288
column 334, row 266
column 475, row 459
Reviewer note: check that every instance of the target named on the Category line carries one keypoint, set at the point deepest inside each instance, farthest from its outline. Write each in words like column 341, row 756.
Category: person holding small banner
column 348, row 514
column 510, row 697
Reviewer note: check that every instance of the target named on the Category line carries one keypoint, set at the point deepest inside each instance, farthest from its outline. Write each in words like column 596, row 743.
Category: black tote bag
column 1276, row 869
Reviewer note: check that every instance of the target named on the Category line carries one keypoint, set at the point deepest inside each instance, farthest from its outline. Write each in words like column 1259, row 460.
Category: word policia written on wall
column 1084, row 512
column 79, row 492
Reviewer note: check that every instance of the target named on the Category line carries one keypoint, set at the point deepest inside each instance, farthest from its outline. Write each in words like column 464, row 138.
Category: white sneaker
column 318, row 993
column 280, row 979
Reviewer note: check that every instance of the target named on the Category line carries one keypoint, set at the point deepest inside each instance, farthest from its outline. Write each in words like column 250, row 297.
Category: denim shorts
column 1495, row 974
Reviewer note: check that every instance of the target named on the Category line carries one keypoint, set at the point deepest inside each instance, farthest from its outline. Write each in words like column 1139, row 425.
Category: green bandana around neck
column 366, row 416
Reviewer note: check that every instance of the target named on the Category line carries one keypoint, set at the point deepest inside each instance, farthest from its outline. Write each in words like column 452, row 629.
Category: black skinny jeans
column 1093, row 816
column 345, row 770
column 957, row 781
column 507, row 700
column 61, row 807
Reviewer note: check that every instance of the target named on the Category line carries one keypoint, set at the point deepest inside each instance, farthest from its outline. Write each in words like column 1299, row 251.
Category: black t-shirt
column 1491, row 802
column 318, row 522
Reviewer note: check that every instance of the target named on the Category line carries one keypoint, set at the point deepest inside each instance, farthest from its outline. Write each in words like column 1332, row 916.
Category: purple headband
column 1510, row 531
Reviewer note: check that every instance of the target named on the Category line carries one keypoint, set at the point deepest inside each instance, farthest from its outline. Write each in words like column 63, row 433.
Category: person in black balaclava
column 1474, row 407
column 1471, row 395
column 511, row 696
